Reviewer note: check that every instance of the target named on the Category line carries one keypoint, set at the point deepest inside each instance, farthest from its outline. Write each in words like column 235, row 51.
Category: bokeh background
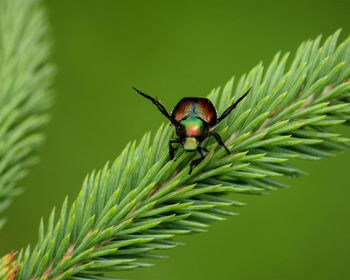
column 173, row 49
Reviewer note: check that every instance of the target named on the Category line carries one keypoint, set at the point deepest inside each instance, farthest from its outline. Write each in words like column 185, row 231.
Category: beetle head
column 190, row 144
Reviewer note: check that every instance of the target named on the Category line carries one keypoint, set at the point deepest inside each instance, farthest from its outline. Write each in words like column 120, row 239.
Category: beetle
column 194, row 119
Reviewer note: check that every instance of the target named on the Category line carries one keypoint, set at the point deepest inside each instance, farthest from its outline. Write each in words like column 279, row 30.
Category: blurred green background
column 172, row 49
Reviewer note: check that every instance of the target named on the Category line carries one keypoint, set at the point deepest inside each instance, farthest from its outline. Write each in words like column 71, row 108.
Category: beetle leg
column 197, row 161
column 155, row 102
column 219, row 140
column 171, row 148
column 229, row 109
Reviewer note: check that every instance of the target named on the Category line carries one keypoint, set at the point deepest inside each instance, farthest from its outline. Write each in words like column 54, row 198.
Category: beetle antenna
column 233, row 106
column 155, row 102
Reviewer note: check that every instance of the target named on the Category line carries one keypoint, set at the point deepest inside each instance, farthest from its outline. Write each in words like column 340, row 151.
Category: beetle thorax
column 193, row 126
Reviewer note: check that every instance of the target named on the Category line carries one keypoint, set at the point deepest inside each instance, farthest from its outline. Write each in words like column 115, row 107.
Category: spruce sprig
column 136, row 205
column 25, row 79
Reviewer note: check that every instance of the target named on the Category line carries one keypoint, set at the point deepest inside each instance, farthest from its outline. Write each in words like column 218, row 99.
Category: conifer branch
column 135, row 206
column 25, row 78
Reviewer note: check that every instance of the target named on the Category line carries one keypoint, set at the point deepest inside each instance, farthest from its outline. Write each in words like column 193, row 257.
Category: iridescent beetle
column 194, row 119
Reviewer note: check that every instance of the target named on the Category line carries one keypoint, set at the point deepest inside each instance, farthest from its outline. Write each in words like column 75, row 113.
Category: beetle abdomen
column 195, row 107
